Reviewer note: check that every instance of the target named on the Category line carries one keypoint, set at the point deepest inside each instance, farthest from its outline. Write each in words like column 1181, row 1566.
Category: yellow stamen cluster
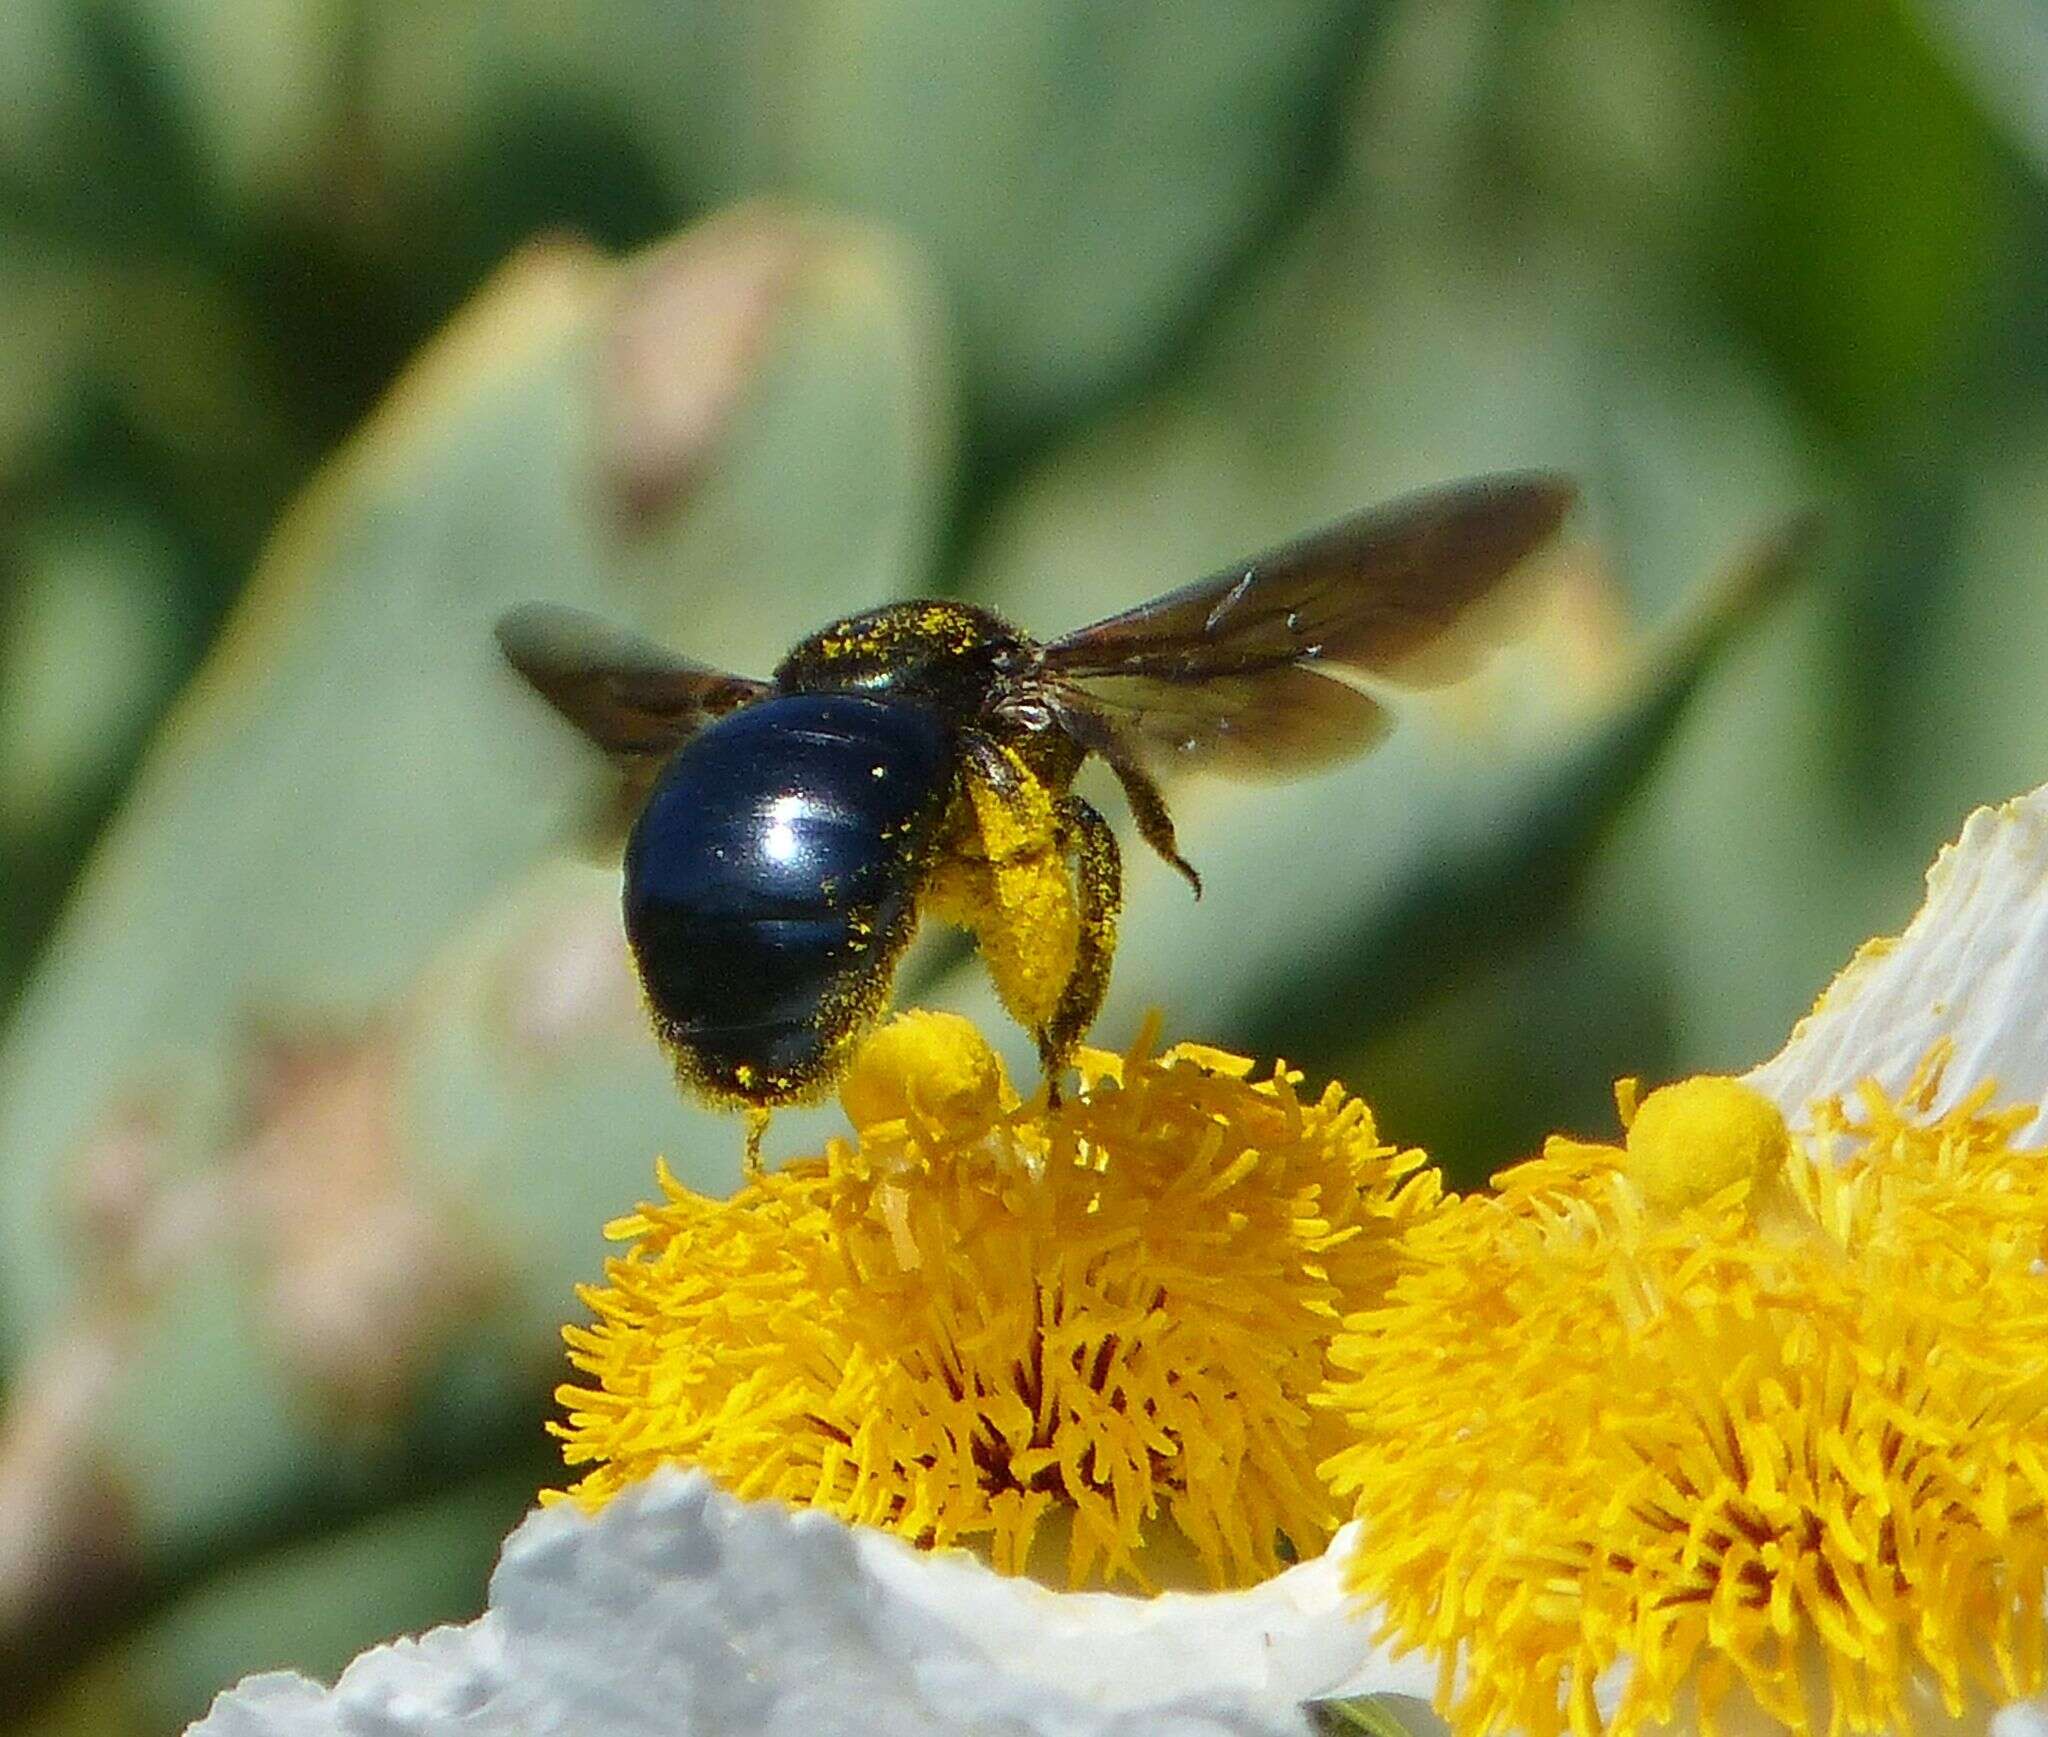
column 986, row 1321
column 1792, row 1455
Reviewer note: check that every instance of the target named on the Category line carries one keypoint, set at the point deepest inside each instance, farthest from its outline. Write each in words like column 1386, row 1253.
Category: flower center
column 995, row 1324
column 1796, row 1461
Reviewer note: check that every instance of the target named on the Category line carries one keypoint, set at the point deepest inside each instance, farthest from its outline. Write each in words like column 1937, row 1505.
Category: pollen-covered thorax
column 928, row 648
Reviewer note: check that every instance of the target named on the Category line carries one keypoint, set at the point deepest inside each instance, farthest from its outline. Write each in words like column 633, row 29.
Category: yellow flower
column 1763, row 1420
column 985, row 1321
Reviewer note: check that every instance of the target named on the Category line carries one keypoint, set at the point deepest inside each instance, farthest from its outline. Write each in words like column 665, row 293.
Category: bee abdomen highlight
column 771, row 883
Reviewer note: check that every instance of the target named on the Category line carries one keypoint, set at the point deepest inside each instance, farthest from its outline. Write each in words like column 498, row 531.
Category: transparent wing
column 1243, row 669
column 633, row 698
column 1265, row 723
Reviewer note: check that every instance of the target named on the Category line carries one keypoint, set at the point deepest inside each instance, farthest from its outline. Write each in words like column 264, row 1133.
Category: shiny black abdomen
column 771, row 881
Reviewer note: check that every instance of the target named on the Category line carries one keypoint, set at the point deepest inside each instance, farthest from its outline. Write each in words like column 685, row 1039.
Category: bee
column 917, row 761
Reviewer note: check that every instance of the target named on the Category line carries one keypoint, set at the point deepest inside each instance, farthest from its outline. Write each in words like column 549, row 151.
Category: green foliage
column 1374, row 1716
column 329, row 328
column 1082, row 175
column 294, row 1054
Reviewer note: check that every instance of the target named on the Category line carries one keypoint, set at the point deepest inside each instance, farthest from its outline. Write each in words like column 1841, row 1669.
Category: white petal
column 1972, row 967
column 682, row 1611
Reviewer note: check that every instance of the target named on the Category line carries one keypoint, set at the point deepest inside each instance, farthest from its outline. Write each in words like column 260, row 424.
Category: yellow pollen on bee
column 1011, row 886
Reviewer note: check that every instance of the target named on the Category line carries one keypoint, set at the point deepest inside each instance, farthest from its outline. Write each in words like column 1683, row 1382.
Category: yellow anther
column 936, row 1063
column 1690, row 1140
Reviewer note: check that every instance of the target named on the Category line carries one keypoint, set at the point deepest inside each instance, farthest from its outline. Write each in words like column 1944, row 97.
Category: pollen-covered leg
column 1007, row 880
column 1099, row 875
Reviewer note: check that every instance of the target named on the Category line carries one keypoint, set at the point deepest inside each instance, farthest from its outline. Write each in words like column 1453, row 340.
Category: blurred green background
column 331, row 328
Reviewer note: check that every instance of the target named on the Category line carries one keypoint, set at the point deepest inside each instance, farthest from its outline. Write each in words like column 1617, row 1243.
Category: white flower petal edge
column 1971, row 967
column 682, row 1610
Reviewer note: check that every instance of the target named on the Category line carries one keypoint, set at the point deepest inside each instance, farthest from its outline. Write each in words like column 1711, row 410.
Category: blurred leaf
column 1083, row 176
column 304, row 1147
column 45, row 331
column 1484, row 925
column 1746, row 867
column 1698, row 939
column 37, row 71
column 2001, row 49
column 86, row 646
column 1514, row 1045
column 258, row 82
column 1641, row 154
column 1974, row 728
column 1875, row 200
column 102, row 152
column 430, row 79
column 1737, row 879
column 310, row 1604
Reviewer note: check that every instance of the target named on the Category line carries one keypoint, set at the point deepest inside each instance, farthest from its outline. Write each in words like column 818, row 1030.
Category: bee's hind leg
column 1099, row 873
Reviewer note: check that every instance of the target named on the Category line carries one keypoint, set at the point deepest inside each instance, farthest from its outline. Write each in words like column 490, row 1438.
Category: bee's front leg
column 1148, row 805
column 1148, row 808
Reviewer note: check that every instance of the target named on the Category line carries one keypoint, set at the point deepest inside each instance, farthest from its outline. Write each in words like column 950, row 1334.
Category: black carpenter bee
column 917, row 760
